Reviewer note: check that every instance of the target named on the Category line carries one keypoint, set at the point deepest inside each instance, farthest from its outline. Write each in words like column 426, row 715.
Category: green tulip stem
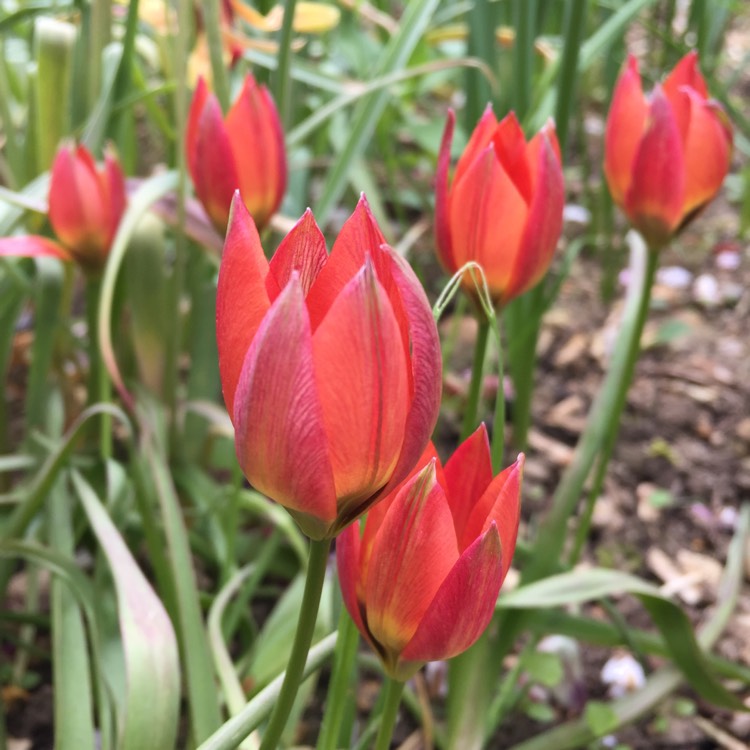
column 393, row 690
column 212, row 22
column 477, row 374
column 498, row 423
column 316, row 571
column 98, row 383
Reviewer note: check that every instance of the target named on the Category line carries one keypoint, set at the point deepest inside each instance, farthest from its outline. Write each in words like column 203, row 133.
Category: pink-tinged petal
column 426, row 367
column 656, row 194
column 543, row 225
column 510, row 148
column 468, row 474
column 463, row 605
column 241, row 298
column 114, row 188
column 254, row 130
column 361, row 371
column 280, row 441
column 415, row 550
column 348, row 552
column 303, row 250
column 478, row 142
column 196, row 111
column 501, row 505
column 31, row 246
column 708, row 151
column 76, row 207
column 442, row 217
column 488, row 216
column 214, row 170
column 625, row 125
column 545, row 138
column 685, row 73
column 359, row 237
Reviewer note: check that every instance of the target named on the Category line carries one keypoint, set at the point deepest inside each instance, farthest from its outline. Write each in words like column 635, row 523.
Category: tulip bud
column 667, row 154
column 330, row 366
column 503, row 208
column 86, row 204
column 245, row 150
column 422, row 581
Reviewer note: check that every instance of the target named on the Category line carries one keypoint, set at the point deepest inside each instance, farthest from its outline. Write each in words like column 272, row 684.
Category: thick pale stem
column 393, row 690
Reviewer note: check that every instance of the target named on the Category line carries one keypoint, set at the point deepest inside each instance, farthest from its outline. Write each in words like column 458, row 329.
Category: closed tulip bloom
column 422, row 581
column 666, row 154
column 330, row 366
column 86, row 203
column 503, row 207
column 245, row 150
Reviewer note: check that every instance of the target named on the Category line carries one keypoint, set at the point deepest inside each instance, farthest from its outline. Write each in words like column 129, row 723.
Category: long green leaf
column 151, row 709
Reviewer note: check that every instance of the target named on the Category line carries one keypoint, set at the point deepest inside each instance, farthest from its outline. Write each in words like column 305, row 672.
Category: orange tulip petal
column 500, row 504
column 468, row 473
column 424, row 375
column 442, row 215
column 707, row 151
column 302, row 250
column 281, row 444
column 214, row 170
column 363, row 385
column 254, row 130
column 463, row 605
column 685, row 73
column 510, row 148
column 543, row 225
column 656, row 194
column 415, row 550
column 241, row 298
column 625, row 125
column 360, row 236
column 31, row 246
column 488, row 216
column 480, row 138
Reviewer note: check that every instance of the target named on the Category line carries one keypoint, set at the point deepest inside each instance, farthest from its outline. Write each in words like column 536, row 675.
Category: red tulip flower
column 422, row 581
column 86, row 203
column 503, row 208
column 666, row 155
column 330, row 366
column 245, row 150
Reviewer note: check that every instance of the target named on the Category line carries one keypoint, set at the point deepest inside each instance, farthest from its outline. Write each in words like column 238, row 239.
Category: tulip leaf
column 152, row 699
column 578, row 586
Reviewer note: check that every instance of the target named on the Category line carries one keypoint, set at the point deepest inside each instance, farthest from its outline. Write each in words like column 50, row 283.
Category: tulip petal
column 625, row 125
column 656, row 194
column 77, row 209
column 707, row 151
column 442, row 216
column 685, row 73
column 543, row 225
column 31, row 246
column 359, row 237
column 361, row 371
column 280, row 440
column 463, row 605
column 468, row 474
column 415, row 550
column 425, row 380
column 302, row 250
column 254, row 130
column 194, row 116
column 348, row 552
column 488, row 216
column 241, row 298
column 114, row 187
column 214, row 170
column 510, row 148
column 480, row 138
column 501, row 505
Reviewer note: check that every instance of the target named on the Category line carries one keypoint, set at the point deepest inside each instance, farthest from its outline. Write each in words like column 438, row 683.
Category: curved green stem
column 316, row 571
column 212, row 20
column 477, row 372
column 498, row 423
column 283, row 87
column 393, row 690
column 99, row 390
